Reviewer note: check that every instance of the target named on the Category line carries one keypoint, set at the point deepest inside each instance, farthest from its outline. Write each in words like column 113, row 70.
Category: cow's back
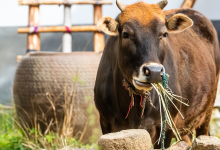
column 202, row 27
column 192, row 61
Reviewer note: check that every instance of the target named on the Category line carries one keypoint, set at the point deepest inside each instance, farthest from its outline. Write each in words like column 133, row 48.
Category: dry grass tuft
column 161, row 91
column 63, row 138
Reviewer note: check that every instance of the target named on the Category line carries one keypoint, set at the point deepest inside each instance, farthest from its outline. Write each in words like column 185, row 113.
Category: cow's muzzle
column 148, row 73
column 153, row 73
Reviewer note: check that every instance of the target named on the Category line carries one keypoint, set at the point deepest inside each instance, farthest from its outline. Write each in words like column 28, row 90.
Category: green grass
column 11, row 137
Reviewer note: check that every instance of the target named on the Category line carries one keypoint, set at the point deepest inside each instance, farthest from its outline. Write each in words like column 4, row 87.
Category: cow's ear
column 178, row 23
column 108, row 26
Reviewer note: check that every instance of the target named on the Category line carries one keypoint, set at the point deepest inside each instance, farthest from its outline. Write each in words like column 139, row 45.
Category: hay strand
column 161, row 91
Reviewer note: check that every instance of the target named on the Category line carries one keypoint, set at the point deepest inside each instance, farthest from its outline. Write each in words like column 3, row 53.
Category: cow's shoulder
column 202, row 25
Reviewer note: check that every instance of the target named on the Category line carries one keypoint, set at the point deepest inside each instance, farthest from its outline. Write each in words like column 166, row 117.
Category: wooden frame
column 98, row 37
column 63, row 2
column 33, row 30
column 33, row 39
column 67, row 36
column 90, row 28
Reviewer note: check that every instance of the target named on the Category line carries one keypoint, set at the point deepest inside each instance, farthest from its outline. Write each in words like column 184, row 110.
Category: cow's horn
column 120, row 5
column 162, row 3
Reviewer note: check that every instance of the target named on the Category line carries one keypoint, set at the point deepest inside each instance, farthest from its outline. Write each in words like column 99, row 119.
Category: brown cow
column 144, row 41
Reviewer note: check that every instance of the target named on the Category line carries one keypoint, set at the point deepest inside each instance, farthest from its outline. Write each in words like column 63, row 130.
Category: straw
column 161, row 91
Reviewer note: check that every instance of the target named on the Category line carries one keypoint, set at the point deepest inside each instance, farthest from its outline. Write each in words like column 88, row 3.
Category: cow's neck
column 145, row 96
column 126, row 92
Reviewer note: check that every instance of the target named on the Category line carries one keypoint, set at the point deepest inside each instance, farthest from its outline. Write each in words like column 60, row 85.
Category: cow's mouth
column 142, row 85
column 145, row 84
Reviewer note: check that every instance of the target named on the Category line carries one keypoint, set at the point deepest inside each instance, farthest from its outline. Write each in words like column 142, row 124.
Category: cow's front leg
column 188, row 139
column 167, row 141
column 105, row 126
column 204, row 128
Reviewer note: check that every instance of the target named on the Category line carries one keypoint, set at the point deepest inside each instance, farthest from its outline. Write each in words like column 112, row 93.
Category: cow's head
column 142, row 30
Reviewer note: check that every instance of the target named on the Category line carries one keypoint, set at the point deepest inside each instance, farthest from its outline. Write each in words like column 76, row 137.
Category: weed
column 17, row 134
column 14, row 137
column 11, row 137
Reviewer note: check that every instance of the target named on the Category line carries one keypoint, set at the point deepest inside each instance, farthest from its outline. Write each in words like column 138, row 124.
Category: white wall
column 11, row 14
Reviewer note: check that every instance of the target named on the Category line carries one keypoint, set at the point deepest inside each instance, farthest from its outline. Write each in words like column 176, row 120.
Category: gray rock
column 134, row 139
column 68, row 148
column 206, row 143
column 76, row 149
column 180, row 146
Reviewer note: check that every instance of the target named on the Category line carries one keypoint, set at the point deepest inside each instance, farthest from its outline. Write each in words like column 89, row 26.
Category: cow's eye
column 165, row 34
column 126, row 35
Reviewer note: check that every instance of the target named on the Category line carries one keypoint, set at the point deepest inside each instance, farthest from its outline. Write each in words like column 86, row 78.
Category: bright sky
column 11, row 14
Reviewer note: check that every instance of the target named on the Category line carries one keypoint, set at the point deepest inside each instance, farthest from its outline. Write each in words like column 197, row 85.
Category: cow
column 144, row 41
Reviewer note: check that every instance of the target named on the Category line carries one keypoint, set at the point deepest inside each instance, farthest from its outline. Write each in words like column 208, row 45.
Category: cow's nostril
column 147, row 72
column 161, row 72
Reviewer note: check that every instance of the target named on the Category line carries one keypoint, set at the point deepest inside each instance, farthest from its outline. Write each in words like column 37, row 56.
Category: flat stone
column 76, row 149
column 134, row 139
column 206, row 143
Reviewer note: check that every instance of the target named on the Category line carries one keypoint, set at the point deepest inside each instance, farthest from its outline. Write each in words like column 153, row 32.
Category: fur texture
column 142, row 12
column 191, row 58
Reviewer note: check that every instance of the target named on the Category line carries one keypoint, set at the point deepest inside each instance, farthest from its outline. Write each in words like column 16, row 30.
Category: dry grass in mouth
column 161, row 91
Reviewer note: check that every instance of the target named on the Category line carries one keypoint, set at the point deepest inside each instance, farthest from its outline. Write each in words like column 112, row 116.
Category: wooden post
column 67, row 37
column 33, row 39
column 188, row 4
column 99, row 40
